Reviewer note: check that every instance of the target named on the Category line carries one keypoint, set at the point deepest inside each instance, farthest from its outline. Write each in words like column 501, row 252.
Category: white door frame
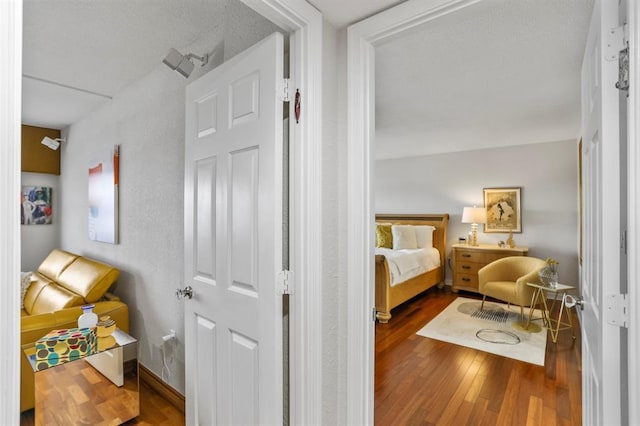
column 305, row 25
column 10, row 119
column 362, row 38
column 633, row 214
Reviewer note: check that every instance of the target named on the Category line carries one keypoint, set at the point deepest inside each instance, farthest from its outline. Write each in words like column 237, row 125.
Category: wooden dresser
column 467, row 260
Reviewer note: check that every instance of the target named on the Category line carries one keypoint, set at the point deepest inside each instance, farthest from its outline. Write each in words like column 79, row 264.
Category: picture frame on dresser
column 504, row 212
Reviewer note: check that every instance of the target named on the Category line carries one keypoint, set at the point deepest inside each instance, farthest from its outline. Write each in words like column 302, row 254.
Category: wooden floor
column 421, row 381
column 154, row 410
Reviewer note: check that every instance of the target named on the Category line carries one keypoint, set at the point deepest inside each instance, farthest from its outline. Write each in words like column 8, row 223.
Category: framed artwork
column 35, row 208
column 503, row 210
column 103, row 197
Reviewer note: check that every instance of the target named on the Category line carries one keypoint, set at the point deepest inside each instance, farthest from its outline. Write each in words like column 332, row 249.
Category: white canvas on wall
column 103, row 197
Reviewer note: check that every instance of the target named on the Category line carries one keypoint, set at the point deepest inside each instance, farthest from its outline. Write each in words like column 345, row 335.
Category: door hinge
column 618, row 49
column 285, row 282
column 623, row 70
column 285, row 89
column 615, row 43
column 617, row 310
column 623, row 242
column 373, row 314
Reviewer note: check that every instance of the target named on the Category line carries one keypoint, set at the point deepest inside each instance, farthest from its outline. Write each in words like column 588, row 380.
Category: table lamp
column 474, row 215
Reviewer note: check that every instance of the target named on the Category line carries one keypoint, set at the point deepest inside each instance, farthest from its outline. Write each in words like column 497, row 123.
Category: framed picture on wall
column 503, row 210
column 35, row 208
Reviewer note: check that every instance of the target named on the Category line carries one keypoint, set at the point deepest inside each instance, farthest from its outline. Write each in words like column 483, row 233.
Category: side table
column 555, row 325
column 99, row 389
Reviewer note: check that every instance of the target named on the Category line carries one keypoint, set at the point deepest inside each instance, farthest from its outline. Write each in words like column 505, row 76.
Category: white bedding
column 408, row 263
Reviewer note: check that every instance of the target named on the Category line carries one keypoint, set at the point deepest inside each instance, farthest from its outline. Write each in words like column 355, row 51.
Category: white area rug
column 456, row 325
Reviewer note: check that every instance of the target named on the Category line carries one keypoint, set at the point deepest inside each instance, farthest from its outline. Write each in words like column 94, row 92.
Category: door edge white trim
column 633, row 214
column 361, row 40
column 10, row 148
column 305, row 22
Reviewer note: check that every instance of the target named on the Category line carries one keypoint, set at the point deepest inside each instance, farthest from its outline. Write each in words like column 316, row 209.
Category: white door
column 601, row 206
column 233, row 240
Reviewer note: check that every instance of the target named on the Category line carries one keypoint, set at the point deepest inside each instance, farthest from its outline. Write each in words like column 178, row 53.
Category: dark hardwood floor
column 421, row 381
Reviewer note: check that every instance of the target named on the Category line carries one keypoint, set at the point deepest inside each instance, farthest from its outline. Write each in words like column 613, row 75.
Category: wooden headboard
column 439, row 221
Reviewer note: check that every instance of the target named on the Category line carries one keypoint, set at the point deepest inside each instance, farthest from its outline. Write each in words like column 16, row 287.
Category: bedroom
column 500, row 115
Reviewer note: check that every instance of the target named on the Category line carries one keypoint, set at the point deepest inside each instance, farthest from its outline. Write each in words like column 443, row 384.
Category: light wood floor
column 154, row 410
column 420, row 381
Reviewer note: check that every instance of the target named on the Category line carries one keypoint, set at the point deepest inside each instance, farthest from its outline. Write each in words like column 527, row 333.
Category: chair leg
column 521, row 313
column 484, row 296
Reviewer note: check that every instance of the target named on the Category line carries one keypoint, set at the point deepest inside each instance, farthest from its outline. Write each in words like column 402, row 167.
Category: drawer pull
column 466, row 279
column 466, row 267
column 466, row 255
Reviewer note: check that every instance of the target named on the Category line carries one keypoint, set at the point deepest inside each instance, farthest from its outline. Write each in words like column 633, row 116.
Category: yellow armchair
column 506, row 279
column 62, row 283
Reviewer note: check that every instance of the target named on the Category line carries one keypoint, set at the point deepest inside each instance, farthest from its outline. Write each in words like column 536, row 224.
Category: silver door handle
column 184, row 293
column 571, row 301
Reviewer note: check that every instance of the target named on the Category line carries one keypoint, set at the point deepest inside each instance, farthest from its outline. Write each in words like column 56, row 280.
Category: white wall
column 147, row 119
column 39, row 240
column 445, row 183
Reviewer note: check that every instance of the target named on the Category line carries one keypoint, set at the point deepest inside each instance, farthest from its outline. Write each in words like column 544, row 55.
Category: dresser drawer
column 469, row 281
column 478, row 256
column 466, row 267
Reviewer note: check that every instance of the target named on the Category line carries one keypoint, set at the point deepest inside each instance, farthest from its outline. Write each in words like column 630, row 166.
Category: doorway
column 364, row 39
column 305, row 23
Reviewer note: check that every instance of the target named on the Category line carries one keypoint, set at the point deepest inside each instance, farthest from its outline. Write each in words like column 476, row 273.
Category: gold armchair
column 506, row 279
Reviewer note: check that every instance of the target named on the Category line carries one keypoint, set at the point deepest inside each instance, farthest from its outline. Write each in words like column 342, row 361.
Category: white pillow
column 25, row 282
column 424, row 235
column 404, row 237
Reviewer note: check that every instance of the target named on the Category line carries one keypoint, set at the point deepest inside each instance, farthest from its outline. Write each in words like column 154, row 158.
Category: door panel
column 205, row 351
column 243, row 220
column 233, row 240
column 205, row 225
column 600, row 275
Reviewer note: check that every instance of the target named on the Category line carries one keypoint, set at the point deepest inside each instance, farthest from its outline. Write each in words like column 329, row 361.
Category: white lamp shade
column 474, row 215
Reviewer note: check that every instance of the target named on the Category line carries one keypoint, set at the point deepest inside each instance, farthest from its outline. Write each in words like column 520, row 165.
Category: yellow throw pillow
column 383, row 235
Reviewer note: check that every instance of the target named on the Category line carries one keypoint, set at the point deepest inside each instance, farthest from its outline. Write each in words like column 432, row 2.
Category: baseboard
column 157, row 384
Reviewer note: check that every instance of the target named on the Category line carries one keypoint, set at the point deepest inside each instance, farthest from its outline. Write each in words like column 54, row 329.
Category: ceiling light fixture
column 53, row 144
column 182, row 63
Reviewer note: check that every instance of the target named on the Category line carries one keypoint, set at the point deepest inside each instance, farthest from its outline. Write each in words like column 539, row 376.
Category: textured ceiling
column 341, row 13
column 495, row 73
column 101, row 46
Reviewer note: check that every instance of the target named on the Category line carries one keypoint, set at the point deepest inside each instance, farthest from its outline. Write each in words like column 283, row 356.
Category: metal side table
column 555, row 325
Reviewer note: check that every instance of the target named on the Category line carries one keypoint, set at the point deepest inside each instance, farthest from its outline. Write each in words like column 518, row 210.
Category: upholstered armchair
column 506, row 279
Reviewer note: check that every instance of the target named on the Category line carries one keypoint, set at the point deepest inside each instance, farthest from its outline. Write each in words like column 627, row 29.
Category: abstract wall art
column 103, row 197
column 35, row 206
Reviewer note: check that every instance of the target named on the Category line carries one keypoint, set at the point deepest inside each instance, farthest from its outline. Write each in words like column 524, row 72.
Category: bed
column 390, row 294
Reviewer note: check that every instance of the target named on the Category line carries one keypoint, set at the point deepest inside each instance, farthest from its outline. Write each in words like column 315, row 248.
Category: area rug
column 490, row 330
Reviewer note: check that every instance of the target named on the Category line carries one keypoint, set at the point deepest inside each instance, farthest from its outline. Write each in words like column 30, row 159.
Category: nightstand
column 467, row 260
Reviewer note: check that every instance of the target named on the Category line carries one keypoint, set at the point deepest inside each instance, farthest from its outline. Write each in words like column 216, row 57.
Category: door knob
column 184, row 293
column 571, row 301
